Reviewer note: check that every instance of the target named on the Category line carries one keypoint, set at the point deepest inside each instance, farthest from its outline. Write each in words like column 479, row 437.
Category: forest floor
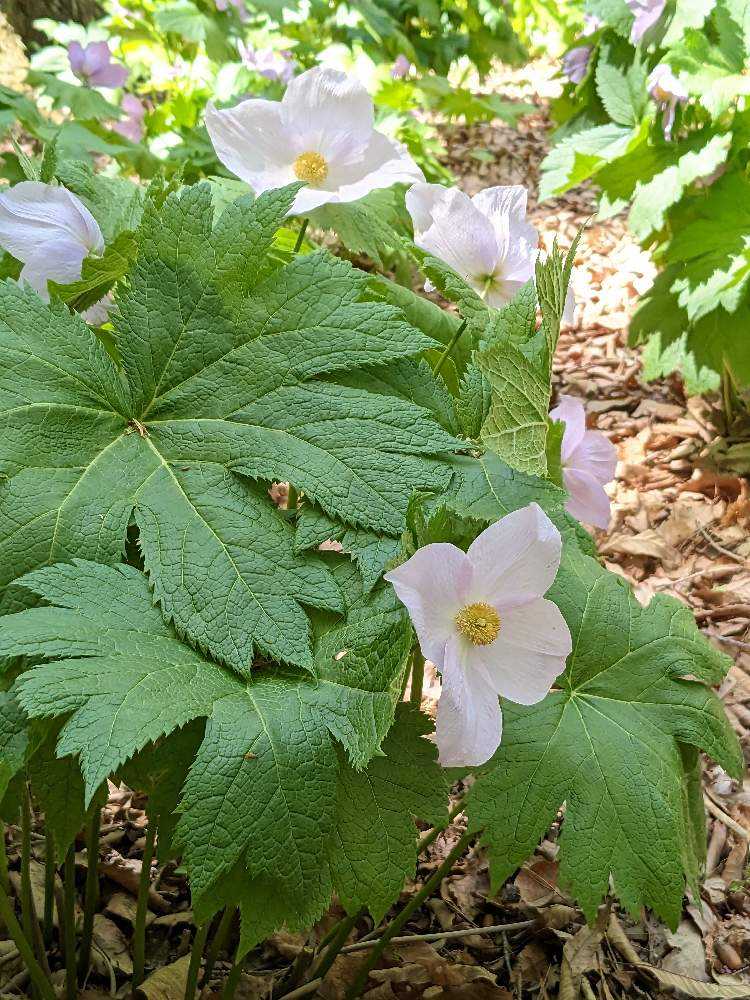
column 678, row 528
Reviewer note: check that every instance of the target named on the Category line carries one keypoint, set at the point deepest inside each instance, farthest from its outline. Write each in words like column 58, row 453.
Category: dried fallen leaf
column 110, row 950
column 167, row 983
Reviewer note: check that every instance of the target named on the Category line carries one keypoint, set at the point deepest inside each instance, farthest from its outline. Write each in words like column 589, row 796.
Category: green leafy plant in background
column 166, row 624
column 684, row 186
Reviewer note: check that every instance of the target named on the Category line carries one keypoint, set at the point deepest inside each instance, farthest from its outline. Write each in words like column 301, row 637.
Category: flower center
column 480, row 623
column 311, row 168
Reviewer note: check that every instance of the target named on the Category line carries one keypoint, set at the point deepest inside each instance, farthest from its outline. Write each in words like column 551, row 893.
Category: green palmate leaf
column 373, row 842
column 368, row 844
column 14, row 739
column 83, row 102
column 127, row 678
column 474, row 401
column 374, row 225
column 229, row 361
column 264, row 784
column 610, row 743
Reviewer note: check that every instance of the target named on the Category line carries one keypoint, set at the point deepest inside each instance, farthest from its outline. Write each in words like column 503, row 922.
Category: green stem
column 27, row 900
column 232, row 980
column 39, row 980
column 50, row 870
column 217, row 943
column 398, row 922
column 301, row 236
column 291, row 498
column 69, row 923
column 139, row 931
column 196, row 954
column 417, row 678
column 343, row 930
column 92, row 892
column 451, row 344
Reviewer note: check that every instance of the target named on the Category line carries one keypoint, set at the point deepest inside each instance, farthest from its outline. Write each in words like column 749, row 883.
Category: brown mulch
column 677, row 528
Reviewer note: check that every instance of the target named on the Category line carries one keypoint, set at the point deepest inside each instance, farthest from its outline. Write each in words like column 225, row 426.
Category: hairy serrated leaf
column 229, row 359
column 608, row 743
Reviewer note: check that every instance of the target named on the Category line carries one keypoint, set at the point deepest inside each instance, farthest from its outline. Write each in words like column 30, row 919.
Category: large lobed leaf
column 617, row 744
column 289, row 782
column 228, row 366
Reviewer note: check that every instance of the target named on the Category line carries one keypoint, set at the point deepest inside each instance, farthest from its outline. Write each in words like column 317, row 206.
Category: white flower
column 481, row 617
column 50, row 231
column 321, row 132
column 589, row 460
column 485, row 239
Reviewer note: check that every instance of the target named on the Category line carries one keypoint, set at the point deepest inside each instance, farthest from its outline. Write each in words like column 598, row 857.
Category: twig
column 465, row 932
column 727, row 820
column 720, row 548
column 728, row 639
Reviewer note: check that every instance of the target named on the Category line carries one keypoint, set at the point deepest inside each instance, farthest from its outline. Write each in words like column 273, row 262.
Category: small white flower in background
column 589, row 460
column 575, row 63
column 481, row 618
column 131, row 126
column 50, row 231
column 268, row 63
column 401, row 67
column 645, row 13
column 668, row 92
column 321, row 132
column 93, row 65
column 485, row 239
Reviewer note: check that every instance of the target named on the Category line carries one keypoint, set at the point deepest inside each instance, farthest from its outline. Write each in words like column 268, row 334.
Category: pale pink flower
column 131, row 126
column 591, row 24
column 272, row 65
column 668, row 92
column 486, row 239
column 401, row 67
column 50, row 231
column 321, row 132
column 239, row 6
column 645, row 13
column 575, row 63
column 589, row 460
column 93, row 65
column 98, row 313
column 481, row 618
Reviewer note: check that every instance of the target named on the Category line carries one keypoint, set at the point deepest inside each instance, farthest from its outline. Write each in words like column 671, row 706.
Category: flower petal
column 529, row 654
column 61, row 262
column 596, row 455
column 37, row 218
column 76, row 57
column 448, row 225
column 506, row 201
column 469, row 723
column 572, row 412
column 385, row 162
column 327, row 111
column 516, row 559
column 433, row 585
column 588, row 499
column 113, row 75
column 518, row 240
column 250, row 140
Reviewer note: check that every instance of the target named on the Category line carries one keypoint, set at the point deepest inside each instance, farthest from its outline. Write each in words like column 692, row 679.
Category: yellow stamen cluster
column 480, row 623
column 311, row 168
